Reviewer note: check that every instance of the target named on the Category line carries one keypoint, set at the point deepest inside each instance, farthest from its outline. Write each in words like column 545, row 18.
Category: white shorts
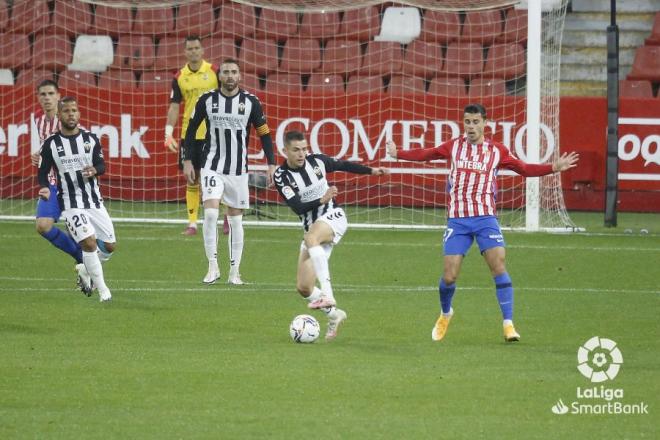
column 232, row 190
column 83, row 223
column 336, row 219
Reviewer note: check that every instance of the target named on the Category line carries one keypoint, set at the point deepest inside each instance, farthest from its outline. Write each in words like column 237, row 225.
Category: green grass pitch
column 171, row 358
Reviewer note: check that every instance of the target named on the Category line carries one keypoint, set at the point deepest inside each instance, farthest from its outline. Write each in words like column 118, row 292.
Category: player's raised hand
column 189, row 171
column 379, row 171
column 391, row 148
column 565, row 162
column 171, row 143
column 34, row 158
column 329, row 194
column 269, row 175
column 44, row 193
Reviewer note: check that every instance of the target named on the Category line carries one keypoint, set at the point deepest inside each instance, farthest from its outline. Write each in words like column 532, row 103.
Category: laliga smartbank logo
column 599, row 360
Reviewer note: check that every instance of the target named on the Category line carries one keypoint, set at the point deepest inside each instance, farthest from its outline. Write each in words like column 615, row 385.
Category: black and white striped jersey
column 69, row 155
column 302, row 188
column 228, row 120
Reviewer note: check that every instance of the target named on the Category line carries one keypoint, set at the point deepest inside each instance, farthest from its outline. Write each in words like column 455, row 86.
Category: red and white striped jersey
column 46, row 127
column 472, row 183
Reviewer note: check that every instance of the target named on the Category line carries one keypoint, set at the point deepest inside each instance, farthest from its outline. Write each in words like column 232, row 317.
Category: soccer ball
column 304, row 329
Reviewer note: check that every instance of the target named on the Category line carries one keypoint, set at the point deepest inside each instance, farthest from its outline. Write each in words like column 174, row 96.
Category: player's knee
column 104, row 250
column 304, row 290
column 110, row 247
column 44, row 225
column 449, row 277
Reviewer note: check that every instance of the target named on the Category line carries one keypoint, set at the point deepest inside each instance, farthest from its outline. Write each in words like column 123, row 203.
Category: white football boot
column 213, row 274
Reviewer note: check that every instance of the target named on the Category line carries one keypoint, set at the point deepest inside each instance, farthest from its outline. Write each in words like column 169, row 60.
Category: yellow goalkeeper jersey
column 188, row 86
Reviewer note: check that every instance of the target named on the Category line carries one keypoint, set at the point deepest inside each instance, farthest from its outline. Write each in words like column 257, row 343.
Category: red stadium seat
column 284, row 83
column 277, row 25
column 364, row 84
column 258, row 56
column 646, row 64
column 515, row 27
column 301, row 55
column 29, row 16
column 382, row 58
column 71, row 80
column 423, row 59
column 51, row 52
column 236, row 21
column 112, row 21
column 195, row 19
column 342, row 56
column 447, row 87
column 482, row 87
column 322, row 25
column 440, row 27
column 123, row 80
column 464, row 59
column 406, row 85
column 14, row 50
column 635, row 89
column 505, row 60
column 218, row 49
column 156, row 82
column 134, row 52
column 482, row 27
column 325, row 84
column 71, row 18
column 250, row 83
column 4, row 16
column 654, row 39
column 360, row 24
column 170, row 54
column 32, row 77
column 154, row 22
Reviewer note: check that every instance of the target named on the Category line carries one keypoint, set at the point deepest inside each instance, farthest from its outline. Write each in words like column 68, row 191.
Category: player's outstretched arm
column 379, row 171
column 565, row 162
column 391, row 149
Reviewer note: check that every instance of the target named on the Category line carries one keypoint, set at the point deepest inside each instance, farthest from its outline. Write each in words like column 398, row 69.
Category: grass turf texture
column 171, row 358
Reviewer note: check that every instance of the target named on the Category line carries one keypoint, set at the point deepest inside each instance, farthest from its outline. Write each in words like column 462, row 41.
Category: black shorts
column 198, row 154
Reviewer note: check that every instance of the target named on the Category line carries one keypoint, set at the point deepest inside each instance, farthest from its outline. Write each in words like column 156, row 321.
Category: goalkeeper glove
column 169, row 140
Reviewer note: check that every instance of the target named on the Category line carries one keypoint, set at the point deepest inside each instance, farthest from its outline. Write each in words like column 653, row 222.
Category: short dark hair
column 48, row 82
column 475, row 108
column 65, row 100
column 193, row 38
column 231, row 61
column 293, row 135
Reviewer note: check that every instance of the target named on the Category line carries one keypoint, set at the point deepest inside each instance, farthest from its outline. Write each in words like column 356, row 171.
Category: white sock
column 330, row 312
column 235, row 241
column 95, row 270
column 507, row 322
column 320, row 263
column 211, row 233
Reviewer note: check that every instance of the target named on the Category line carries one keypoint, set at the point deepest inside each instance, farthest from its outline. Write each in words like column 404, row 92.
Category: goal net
column 350, row 75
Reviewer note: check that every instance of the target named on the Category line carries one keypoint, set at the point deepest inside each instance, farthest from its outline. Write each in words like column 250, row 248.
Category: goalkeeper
column 474, row 162
column 195, row 78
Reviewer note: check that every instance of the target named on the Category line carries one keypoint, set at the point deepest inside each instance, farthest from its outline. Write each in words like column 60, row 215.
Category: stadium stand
column 654, row 39
column 31, row 77
column 423, row 58
column 319, row 25
column 51, row 52
column 195, row 19
column 258, row 56
column 464, row 59
column 236, row 21
column 301, row 55
column 342, row 56
column 157, row 22
column 515, row 27
column 382, row 58
column 112, row 21
column 635, row 89
column 218, row 49
column 364, row 84
column 447, row 87
column 4, row 16
column 118, row 80
column 92, row 53
column 29, row 16
column 325, row 84
column 441, row 27
column 14, row 50
column 70, row 80
column 482, row 87
column 156, row 82
column 400, row 24
column 404, row 85
column 134, row 52
column 360, row 24
column 277, row 25
column 6, row 77
column 646, row 65
column 250, row 82
column 170, row 54
column 482, row 27
column 283, row 83
column 505, row 60
column 71, row 18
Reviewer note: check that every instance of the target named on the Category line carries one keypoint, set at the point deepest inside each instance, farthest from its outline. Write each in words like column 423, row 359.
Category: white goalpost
column 351, row 75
